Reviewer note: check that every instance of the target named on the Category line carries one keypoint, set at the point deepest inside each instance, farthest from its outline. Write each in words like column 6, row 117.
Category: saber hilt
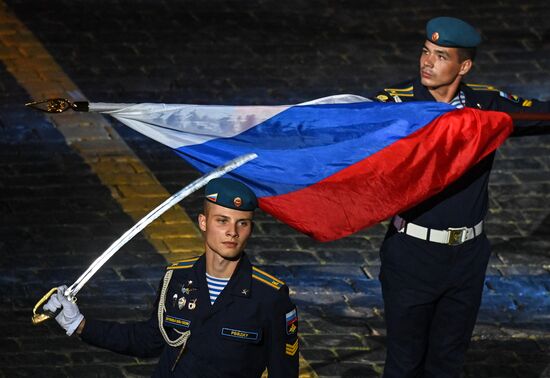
column 37, row 317
column 58, row 105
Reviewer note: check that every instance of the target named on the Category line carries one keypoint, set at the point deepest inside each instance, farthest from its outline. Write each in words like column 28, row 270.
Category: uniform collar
column 199, row 268
column 199, row 280
column 240, row 283
column 242, row 278
column 470, row 96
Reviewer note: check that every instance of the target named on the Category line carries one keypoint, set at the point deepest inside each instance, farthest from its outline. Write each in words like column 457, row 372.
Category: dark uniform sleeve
column 139, row 339
column 283, row 349
column 491, row 98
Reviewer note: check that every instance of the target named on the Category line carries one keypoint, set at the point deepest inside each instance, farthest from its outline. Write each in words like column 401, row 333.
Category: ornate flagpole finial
column 58, row 105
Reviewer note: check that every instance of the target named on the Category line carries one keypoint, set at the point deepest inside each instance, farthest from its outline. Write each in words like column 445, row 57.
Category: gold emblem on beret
column 237, row 201
column 435, row 36
column 383, row 98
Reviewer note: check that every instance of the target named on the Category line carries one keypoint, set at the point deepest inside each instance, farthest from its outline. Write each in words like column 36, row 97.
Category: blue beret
column 452, row 32
column 230, row 193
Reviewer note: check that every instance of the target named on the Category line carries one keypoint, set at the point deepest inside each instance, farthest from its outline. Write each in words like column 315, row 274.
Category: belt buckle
column 456, row 235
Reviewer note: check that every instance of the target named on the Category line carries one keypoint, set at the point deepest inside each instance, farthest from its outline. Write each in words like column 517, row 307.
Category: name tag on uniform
column 178, row 322
column 241, row 335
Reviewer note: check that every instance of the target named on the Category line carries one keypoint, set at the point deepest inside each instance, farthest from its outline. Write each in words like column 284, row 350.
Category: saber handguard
column 58, row 105
column 38, row 318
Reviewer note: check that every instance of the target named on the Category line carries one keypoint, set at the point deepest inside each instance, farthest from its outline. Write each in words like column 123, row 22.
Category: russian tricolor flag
column 333, row 166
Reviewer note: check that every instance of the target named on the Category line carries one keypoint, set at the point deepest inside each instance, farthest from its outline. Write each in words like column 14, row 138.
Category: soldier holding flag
column 435, row 254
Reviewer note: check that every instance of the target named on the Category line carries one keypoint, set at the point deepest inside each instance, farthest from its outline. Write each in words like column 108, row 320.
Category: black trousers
column 432, row 294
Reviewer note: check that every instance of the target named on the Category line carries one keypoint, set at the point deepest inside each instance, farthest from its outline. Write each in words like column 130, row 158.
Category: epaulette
column 400, row 92
column 266, row 278
column 483, row 87
column 509, row 96
column 183, row 264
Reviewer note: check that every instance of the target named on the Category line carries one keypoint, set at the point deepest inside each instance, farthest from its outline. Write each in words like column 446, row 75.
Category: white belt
column 451, row 236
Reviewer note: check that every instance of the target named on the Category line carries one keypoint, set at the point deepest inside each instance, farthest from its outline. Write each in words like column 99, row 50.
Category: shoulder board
column 407, row 91
column 266, row 278
column 483, row 87
column 183, row 264
column 508, row 96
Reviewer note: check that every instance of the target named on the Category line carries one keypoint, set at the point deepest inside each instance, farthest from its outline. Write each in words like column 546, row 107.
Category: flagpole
column 522, row 116
column 59, row 105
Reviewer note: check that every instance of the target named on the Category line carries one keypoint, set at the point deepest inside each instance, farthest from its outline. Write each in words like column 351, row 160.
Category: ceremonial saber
column 73, row 290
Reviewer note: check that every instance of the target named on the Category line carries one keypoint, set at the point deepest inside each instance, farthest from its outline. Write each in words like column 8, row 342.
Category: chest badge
column 181, row 302
column 192, row 304
column 187, row 288
column 244, row 292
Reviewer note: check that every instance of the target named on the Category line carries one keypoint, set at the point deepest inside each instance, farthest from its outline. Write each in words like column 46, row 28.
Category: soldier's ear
column 465, row 67
column 202, row 222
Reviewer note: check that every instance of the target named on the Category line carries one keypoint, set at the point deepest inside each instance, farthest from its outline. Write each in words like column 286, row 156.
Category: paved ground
column 59, row 207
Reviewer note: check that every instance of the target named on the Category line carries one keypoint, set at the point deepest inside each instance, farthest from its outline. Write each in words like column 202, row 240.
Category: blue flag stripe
column 305, row 144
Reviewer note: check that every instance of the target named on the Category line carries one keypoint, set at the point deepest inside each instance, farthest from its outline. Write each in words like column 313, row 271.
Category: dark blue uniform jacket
column 465, row 202
column 251, row 326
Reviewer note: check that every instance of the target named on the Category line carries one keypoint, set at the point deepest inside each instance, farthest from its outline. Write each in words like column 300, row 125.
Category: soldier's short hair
column 465, row 53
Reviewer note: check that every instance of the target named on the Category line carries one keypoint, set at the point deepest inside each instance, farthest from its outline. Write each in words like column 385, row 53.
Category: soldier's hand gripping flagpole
column 73, row 290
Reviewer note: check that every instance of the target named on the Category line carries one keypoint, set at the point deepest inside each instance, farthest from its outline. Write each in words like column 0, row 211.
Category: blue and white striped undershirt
column 459, row 101
column 215, row 286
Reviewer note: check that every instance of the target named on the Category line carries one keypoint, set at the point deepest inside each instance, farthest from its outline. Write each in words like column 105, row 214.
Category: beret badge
column 237, row 201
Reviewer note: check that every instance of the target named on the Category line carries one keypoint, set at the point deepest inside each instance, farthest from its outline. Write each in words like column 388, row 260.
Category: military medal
column 186, row 288
column 192, row 304
column 181, row 302
column 174, row 300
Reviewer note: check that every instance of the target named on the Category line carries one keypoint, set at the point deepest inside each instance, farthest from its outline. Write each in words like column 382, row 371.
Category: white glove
column 70, row 317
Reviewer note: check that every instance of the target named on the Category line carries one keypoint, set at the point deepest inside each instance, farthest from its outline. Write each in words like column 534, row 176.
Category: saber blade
column 73, row 290
column 154, row 214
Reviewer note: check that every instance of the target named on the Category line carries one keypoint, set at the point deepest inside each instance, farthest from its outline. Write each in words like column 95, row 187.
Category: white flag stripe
column 179, row 125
